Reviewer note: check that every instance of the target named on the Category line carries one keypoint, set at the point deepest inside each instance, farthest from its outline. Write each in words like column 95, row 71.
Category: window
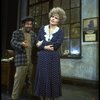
column 39, row 9
column 71, row 47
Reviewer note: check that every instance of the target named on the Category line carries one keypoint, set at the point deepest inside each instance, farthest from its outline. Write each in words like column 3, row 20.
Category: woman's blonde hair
column 60, row 12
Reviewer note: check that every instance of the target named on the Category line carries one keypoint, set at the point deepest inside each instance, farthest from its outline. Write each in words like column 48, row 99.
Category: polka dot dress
column 48, row 72
column 48, row 77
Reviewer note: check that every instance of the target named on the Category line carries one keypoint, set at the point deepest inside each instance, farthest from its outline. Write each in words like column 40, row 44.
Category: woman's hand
column 39, row 43
column 49, row 47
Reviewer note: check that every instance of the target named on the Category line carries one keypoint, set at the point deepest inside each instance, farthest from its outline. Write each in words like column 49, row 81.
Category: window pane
column 45, row 19
column 31, row 2
column 38, row 10
column 66, row 29
column 65, row 4
column 75, row 15
column 75, row 46
column 32, row 11
column 56, row 3
column 45, row 8
column 68, row 16
column 37, row 1
column 75, row 3
column 64, row 50
column 75, row 30
column 37, row 21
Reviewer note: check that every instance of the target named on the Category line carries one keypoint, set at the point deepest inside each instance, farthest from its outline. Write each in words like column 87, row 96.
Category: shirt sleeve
column 17, row 45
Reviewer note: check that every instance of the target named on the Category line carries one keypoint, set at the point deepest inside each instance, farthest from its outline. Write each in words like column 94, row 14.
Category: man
column 23, row 40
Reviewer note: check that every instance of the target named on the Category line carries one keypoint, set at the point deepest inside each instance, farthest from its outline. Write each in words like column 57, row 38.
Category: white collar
column 48, row 36
column 46, row 29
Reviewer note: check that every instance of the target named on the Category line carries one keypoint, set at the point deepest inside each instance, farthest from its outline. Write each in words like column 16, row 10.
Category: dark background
column 9, row 9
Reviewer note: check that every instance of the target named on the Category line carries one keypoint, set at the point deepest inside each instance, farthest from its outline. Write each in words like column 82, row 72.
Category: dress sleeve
column 59, row 40
column 39, row 38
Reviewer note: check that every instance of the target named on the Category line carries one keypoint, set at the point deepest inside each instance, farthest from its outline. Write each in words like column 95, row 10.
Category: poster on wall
column 90, row 30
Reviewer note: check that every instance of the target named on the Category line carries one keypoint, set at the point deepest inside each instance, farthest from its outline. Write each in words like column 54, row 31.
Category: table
column 7, row 75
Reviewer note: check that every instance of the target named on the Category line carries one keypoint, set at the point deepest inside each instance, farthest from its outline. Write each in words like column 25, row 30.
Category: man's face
column 28, row 26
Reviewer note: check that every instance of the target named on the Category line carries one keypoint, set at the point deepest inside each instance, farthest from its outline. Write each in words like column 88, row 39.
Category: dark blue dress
column 48, row 73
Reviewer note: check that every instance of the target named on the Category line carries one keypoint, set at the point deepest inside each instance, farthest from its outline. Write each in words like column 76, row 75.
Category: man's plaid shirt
column 16, row 43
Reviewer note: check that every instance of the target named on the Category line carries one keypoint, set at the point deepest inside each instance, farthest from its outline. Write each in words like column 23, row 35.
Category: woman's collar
column 46, row 29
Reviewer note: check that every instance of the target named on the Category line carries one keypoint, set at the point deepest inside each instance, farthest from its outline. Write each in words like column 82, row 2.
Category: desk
column 7, row 75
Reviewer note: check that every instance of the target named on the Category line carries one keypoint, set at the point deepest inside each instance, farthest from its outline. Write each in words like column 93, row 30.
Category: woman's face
column 54, row 19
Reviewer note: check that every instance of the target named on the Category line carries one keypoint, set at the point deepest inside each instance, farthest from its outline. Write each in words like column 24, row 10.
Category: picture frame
column 90, row 29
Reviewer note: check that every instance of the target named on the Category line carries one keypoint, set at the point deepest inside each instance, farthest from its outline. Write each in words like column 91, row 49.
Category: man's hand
column 25, row 44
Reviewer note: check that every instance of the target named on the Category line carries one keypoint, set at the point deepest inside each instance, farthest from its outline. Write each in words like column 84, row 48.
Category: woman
column 48, row 75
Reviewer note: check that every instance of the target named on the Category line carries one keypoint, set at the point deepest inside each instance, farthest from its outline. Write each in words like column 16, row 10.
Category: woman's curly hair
column 60, row 12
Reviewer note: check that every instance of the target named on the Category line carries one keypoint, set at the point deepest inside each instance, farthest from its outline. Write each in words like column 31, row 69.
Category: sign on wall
column 90, row 29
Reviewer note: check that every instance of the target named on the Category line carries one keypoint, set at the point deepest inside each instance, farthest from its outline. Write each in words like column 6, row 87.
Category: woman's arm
column 56, row 44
